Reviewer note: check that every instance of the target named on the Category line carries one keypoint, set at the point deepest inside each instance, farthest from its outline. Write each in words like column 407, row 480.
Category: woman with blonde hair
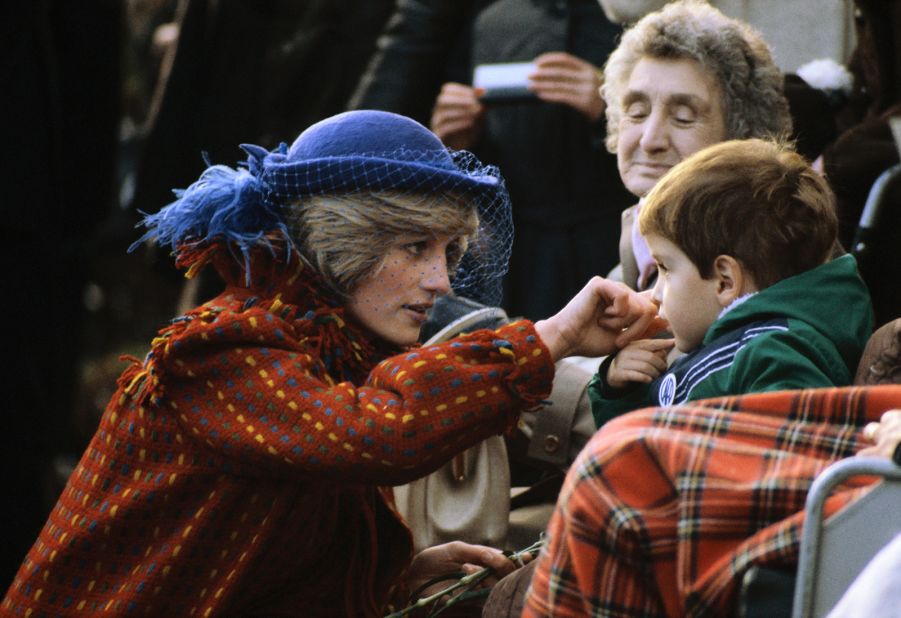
column 242, row 466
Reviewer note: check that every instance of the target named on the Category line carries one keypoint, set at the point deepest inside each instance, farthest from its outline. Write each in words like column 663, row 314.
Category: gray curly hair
column 734, row 53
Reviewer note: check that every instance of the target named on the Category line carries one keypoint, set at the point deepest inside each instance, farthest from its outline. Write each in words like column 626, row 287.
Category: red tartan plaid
column 666, row 508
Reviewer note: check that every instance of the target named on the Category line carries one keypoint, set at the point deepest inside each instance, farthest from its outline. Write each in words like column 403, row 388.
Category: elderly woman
column 681, row 79
column 239, row 468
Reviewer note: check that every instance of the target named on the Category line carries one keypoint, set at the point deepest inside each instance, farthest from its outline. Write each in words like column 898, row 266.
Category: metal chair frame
column 833, row 552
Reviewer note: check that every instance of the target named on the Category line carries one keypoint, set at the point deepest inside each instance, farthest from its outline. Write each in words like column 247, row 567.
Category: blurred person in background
column 61, row 82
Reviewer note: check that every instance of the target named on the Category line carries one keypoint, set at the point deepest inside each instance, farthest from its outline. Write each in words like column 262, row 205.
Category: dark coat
column 61, row 81
column 566, row 191
column 425, row 43
column 866, row 148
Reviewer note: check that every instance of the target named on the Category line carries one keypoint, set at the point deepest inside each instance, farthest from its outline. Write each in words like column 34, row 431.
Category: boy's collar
column 735, row 303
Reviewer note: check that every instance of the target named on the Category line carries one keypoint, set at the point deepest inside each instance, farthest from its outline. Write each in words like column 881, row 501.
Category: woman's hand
column 603, row 317
column 885, row 436
column 640, row 361
column 455, row 557
column 563, row 78
column 457, row 116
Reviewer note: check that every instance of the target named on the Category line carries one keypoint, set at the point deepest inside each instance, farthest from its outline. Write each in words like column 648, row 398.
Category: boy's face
column 687, row 301
column 671, row 109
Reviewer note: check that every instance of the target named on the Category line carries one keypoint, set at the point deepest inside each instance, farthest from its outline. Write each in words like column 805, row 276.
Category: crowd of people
column 644, row 209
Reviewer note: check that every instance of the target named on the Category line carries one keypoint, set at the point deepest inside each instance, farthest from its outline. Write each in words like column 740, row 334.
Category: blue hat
column 369, row 150
column 356, row 151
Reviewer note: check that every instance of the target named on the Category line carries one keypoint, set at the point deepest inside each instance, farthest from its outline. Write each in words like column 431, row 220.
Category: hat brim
column 328, row 175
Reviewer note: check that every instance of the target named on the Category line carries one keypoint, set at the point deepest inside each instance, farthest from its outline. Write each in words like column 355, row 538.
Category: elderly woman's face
column 394, row 302
column 670, row 110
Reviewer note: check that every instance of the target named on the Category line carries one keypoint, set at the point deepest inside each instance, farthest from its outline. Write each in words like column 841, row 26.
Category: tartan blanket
column 666, row 508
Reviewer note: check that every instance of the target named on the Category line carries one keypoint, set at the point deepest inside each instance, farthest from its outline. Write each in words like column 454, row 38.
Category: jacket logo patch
column 667, row 392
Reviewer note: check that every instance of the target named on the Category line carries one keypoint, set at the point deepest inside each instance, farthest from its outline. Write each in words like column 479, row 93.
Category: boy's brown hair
column 755, row 200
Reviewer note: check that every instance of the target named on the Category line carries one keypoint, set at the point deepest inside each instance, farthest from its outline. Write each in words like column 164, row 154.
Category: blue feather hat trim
column 224, row 204
column 359, row 151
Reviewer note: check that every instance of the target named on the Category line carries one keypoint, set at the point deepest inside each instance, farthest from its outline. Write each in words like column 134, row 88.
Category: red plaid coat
column 666, row 508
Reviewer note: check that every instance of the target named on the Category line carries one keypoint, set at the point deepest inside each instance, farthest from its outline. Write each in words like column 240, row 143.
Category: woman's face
column 394, row 302
column 671, row 109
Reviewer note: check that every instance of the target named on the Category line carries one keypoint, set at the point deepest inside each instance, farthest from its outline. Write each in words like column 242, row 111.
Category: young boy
column 742, row 233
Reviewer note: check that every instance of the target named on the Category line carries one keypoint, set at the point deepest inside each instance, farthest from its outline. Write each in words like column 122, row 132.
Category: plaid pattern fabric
column 666, row 508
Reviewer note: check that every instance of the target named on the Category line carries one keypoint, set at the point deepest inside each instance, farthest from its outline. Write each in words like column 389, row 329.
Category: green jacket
column 802, row 332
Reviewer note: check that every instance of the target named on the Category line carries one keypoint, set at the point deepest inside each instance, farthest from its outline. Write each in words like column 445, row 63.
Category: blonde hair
column 753, row 98
column 347, row 237
column 756, row 200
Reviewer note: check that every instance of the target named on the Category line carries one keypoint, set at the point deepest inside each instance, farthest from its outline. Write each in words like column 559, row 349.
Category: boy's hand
column 641, row 361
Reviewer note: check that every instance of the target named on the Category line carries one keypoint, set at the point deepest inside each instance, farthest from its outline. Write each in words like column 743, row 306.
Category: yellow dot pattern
column 195, row 493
